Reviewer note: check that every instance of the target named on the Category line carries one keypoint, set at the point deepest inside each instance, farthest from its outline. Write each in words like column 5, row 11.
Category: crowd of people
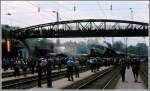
column 72, row 64
column 127, row 63
column 94, row 63
column 19, row 65
column 23, row 65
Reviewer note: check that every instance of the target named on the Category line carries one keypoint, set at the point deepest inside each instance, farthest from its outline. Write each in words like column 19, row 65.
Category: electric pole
column 111, row 16
column 131, row 15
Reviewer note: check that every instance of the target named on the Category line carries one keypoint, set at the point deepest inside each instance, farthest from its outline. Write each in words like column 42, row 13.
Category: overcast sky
column 27, row 13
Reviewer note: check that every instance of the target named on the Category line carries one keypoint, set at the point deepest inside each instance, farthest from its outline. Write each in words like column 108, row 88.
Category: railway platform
column 28, row 75
column 129, row 82
column 106, row 78
column 62, row 83
column 9, row 70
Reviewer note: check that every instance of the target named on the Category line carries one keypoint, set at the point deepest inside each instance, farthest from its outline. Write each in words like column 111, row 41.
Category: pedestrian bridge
column 83, row 28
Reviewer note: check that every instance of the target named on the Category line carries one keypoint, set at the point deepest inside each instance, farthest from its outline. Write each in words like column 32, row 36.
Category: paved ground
column 58, row 84
column 129, row 83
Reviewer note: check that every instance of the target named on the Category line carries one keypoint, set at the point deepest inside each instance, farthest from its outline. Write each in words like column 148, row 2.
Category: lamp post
column 126, row 48
column 57, row 20
column 49, row 70
column 111, row 16
column 132, row 18
column 131, row 9
column 57, row 15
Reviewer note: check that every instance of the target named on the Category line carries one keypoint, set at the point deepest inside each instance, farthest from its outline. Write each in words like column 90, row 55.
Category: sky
column 27, row 13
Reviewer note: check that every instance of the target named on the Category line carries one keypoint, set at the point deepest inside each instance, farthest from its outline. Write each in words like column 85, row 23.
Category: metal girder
column 86, row 20
column 73, row 26
column 101, row 25
column 114, row 26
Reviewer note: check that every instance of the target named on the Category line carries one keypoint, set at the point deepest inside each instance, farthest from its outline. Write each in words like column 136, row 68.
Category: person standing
column 94, row 64
column 91, row 64
column 33, row 63
column 15, row 67
column 49, row 72
column 135, row 69
column 11, row 63
column 43, row 65
column 97, row 64
column 18, row 66
column 24, row 68
column 70, row 65
column 39, row 69
column 77, row 67
column 59, row 63
column 123, row 69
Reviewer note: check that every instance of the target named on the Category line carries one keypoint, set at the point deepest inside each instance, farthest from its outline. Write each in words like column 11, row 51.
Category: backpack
column 70, row 63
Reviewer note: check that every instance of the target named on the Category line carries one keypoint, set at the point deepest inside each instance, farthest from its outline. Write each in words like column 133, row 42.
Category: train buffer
column 62, row 83
column 129, row 82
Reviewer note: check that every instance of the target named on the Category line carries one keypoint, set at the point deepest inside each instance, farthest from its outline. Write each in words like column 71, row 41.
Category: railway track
column 144, row 76
column 101, row 80
column 112, row 82
column 30, row 82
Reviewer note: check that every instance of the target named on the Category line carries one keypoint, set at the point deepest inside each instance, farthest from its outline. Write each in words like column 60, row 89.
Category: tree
column 132, row 49
column 119, row 46
column 142, row 49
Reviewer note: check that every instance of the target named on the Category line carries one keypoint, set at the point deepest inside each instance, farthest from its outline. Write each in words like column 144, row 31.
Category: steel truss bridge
column 83, row 28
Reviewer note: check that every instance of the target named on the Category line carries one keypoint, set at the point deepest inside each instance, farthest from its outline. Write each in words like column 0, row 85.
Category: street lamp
column 49, row 70
column 57, row 15
column 57, row 19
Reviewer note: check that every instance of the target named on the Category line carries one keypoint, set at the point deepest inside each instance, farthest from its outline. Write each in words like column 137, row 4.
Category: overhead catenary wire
column 40, row 10
column 70, row 9
column 73, row 9
column 61, row 14
column 48, row 12
column 60, row 5
column 99, row 5
column 25, row 12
